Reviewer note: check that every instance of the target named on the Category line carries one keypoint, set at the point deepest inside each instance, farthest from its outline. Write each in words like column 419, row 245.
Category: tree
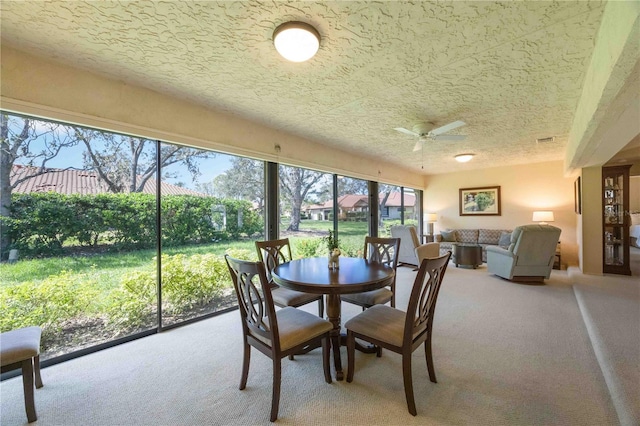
column 384, row 193
column 30, row 143
column 296, row 184
column 126, row 163
column 348, row 185
column 244, row 181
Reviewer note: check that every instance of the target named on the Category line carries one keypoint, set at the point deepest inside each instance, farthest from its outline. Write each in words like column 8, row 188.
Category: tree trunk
column 294, row 225
column 5, row 203
column 383, row 203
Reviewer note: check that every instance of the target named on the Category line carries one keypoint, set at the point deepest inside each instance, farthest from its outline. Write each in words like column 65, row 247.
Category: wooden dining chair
column 402, row 332
column 20, row 349
column 275, row 334
column 272, row 253
column 384, row 251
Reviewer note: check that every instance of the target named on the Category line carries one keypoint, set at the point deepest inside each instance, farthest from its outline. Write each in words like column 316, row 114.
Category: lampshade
column 463, row 158
column 543, row 217
column 431, row 217
column 296, row 41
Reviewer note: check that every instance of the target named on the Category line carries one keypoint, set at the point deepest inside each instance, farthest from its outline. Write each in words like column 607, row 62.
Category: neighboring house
column 393, row 207
column 346, row 203
column 360, row 203
column 83, row 182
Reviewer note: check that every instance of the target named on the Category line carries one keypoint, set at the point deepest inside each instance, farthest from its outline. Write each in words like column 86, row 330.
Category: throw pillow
column 635, row 218
column 448, row 236
column 505, row 240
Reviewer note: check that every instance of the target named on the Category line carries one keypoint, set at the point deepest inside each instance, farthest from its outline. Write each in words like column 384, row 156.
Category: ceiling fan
column 427, row 132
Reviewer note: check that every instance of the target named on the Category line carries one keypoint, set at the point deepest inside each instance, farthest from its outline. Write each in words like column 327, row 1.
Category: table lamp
column 430, row 218
column 542, row 217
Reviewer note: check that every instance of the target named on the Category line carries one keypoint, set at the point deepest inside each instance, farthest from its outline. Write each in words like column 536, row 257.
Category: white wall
column 524, row 188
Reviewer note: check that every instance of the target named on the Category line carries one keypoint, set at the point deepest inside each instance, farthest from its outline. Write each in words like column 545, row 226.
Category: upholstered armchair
column 530, row 255
column 409, row 242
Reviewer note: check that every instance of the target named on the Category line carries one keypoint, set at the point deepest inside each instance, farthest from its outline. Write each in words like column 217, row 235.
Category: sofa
column 530, row 255
column 409, row 243
column 482, row 237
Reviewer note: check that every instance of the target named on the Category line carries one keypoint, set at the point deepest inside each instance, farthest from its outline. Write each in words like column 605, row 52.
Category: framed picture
column 483, row 201
column 577, row 196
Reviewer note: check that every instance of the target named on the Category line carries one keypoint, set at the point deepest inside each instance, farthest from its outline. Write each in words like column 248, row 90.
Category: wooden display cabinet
column 615, row 220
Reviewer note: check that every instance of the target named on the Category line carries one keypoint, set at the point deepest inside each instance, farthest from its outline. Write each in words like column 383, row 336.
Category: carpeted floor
column 505, row 354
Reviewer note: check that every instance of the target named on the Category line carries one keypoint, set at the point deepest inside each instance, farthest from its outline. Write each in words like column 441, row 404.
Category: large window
column 112, row 237
column 213, row 204
column 398, row 205
column 306, row 209
column 353, row 214
column 79, row 214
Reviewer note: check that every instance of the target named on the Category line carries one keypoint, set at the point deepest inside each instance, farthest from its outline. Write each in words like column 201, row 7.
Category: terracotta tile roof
column 394, row 199
column 84, row 182
column 353, row 200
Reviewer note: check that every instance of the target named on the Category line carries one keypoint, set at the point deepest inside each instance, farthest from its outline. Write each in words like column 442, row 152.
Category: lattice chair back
column 382, row 250
column 255, row 303
column 273, row 252
column 424, row 294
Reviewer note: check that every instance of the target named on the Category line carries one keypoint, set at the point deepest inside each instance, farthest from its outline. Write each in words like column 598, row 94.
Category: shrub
column 352, row 249
column 193, row 281
column 242, row 254
column 310, row 247
column 133, row 303
column 48, row 303
column 41, row 223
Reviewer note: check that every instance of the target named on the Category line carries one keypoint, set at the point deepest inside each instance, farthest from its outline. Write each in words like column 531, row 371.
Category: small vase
column 334, row 261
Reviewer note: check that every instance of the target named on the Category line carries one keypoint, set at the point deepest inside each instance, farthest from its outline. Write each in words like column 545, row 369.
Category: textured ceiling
column 513, row 71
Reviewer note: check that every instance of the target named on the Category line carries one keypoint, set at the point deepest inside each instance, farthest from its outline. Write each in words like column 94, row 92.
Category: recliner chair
column 409, row 243
column 530, row 255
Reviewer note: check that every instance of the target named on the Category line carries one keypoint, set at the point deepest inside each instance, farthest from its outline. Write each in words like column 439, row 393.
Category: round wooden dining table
column 312, row 275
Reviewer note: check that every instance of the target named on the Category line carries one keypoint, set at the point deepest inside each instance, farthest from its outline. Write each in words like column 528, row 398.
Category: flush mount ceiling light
column 463, row 158
column 296, row 41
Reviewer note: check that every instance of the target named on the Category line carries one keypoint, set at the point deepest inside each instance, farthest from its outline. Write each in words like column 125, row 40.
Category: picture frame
column 481, row 201
column 577, row 196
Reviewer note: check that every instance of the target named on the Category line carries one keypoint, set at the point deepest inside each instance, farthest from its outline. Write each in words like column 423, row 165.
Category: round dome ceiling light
column 463, row 158
column 296, row 41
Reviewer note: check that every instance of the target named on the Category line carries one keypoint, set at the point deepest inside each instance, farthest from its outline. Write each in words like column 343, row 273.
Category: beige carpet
column 505, row 354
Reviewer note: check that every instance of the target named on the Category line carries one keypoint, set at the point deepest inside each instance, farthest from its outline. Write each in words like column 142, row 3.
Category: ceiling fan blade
column 418, row 145
column 405, row 131
column 447, row 127
column 449, row 137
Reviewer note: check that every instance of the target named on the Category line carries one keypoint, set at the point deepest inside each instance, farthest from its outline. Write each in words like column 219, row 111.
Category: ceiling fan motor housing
column 423, row 129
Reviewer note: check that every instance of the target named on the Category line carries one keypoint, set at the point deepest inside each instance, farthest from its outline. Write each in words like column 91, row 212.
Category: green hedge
column 43, row 223
column 189, row 282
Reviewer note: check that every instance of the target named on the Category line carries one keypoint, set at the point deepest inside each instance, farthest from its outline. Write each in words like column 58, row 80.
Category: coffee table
column 467, row 254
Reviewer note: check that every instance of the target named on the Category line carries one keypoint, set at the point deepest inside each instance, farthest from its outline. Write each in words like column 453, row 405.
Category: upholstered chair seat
column 402, row 332
column 20, row 349
column 275, row 334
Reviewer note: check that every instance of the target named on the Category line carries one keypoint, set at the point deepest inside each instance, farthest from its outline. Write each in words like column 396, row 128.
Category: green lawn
column 107, row 267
